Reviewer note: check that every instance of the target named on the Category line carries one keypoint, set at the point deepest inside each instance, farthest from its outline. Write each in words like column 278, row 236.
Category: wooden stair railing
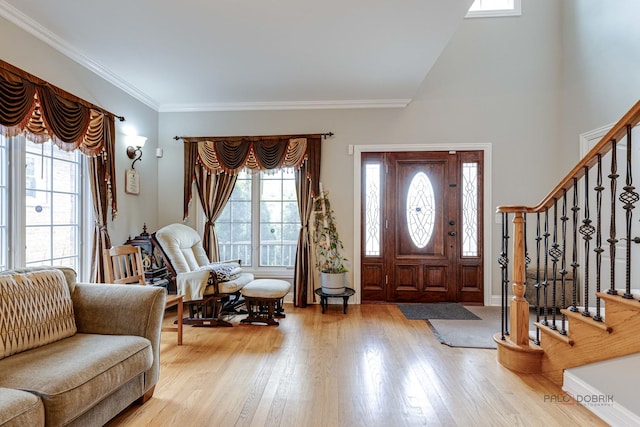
column 576, row 224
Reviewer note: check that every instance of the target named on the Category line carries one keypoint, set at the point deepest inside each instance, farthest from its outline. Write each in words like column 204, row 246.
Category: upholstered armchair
column 209, row 289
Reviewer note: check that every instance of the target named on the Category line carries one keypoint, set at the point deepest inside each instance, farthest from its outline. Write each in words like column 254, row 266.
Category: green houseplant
column 329, row 259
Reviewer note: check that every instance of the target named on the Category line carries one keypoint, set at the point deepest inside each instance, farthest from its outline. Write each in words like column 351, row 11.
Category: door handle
column 452, row 233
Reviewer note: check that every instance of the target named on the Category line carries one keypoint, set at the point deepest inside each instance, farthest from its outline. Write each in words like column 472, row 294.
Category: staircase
column 585, row 228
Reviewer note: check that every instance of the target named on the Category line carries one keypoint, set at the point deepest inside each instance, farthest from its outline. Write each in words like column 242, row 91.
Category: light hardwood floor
column 370, row 367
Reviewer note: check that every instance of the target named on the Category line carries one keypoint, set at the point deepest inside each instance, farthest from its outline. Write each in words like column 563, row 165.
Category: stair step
column 554, row 333
column 598, row 387
column 578, row 317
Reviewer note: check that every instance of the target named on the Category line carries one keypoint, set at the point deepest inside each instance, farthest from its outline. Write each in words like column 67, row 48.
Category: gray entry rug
column 440, row 310
column 469, row 333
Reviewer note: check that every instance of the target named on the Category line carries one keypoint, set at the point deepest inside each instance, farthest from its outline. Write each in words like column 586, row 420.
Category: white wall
column 25, row 51
column 498, row 82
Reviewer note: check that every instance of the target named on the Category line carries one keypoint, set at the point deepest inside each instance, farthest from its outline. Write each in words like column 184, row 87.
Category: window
column 494, row 8
column 41, row 218
column 260, row 224
column 4, row 203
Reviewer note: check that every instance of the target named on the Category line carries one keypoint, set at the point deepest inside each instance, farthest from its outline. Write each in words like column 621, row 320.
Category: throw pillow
column 225, row 271
column 35, row 310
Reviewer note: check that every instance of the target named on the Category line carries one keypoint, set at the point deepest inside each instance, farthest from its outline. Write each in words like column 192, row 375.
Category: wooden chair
column 123, row 265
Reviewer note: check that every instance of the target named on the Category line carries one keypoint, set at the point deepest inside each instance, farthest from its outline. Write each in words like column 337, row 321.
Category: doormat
column 475, row 334
column 440, row 310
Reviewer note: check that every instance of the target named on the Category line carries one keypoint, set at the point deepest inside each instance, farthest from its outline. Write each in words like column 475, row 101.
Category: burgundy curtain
column 307, row 182
column 42, row 111
column 230, row 155
column 214, row 192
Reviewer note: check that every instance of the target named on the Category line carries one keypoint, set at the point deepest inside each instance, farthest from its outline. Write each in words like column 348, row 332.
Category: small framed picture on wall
column 131, row 182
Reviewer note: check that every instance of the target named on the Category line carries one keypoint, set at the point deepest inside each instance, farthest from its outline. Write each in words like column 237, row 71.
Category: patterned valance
column 230, row 155
column 43, row 111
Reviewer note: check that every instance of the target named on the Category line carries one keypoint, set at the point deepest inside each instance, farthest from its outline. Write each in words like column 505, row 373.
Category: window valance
column 233, row 155
column 230, row 155
column 43, row 111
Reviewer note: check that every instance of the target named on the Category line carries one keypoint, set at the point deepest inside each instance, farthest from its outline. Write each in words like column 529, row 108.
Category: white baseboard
column 613, row 414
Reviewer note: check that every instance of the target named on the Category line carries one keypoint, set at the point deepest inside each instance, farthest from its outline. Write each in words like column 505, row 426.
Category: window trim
column 497, row 13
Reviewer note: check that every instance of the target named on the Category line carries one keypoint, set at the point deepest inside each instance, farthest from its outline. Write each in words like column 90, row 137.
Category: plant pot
column 333, row 283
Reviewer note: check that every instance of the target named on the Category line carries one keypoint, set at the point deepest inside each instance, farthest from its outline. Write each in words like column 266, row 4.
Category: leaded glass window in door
column 420, row 209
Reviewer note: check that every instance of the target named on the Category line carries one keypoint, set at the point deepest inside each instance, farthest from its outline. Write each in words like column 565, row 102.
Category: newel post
column 519, row 310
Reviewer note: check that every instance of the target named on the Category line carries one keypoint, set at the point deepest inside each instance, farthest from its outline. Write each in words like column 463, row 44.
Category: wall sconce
column 135, row 152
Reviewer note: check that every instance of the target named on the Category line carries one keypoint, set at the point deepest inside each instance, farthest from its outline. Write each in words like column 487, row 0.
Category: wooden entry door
column 421, row 233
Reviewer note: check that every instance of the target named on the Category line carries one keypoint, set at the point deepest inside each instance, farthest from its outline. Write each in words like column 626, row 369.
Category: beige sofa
column 74, row 354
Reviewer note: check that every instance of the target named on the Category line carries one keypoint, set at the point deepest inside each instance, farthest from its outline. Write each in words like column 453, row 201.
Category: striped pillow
column 35, row 310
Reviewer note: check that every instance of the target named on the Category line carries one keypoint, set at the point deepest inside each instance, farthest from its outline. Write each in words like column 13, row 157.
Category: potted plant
column 329, row 260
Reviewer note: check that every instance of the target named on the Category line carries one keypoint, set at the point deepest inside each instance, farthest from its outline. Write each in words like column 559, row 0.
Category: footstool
column 263, row 298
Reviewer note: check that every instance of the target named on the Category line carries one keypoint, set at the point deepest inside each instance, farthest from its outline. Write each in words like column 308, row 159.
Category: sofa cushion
column 74, row 374
column 35, row 310
column 19, row 408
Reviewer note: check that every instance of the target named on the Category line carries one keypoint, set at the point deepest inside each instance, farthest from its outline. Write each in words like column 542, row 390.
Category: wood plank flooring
column 370, row 367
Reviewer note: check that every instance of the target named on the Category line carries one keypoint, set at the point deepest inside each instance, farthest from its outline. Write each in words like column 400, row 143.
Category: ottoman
column 263, row 298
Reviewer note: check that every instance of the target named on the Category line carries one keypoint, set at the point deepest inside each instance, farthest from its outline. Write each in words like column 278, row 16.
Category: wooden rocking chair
column 206, row 297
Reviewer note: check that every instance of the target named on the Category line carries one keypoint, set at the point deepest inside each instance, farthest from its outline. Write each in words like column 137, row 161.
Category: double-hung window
column 41, row 219
column 260, row 223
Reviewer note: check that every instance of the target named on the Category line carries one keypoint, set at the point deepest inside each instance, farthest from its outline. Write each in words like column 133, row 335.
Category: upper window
column 260, row 223
column 490, row 8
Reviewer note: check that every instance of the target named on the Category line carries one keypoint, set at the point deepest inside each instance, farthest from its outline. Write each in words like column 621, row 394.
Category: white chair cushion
column 266, row 288
column 183, row 247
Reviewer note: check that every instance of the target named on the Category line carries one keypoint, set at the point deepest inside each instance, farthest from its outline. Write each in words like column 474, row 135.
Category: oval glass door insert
column 420, row 209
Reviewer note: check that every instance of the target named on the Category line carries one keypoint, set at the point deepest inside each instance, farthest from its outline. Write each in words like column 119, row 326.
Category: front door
column 422, row 227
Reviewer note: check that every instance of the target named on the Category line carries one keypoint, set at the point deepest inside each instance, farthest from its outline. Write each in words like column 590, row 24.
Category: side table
column 344, row 295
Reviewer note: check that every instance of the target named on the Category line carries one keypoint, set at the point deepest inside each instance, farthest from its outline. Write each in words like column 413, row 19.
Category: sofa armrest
column 122, row 310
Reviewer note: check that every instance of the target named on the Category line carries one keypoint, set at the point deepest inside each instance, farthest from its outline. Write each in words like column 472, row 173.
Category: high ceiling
column 243, row 54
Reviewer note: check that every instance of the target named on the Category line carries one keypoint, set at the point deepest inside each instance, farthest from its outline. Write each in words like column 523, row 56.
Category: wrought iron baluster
column 537, row 285
column 612, row 240
column 587, row 230
column 503, row 261
column 574, row 261
column 629, row 198
column 527, row 258
column 555, row 254
column 563, row 270
column 598, row 249
column 545, row 272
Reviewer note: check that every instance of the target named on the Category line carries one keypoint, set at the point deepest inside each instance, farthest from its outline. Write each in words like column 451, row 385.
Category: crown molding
column 284, row 105
column 34, row 28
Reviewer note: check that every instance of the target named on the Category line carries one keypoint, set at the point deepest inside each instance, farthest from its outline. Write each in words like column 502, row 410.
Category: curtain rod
column 204, row 138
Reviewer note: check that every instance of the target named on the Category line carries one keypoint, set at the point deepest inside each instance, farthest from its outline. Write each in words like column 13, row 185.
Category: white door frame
column 357, row 151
